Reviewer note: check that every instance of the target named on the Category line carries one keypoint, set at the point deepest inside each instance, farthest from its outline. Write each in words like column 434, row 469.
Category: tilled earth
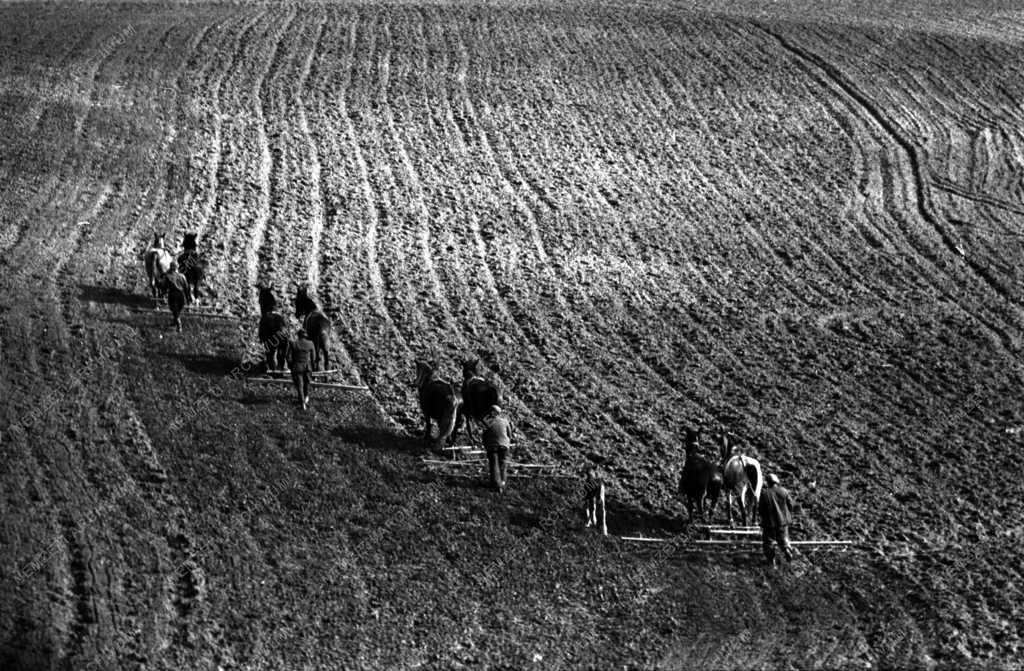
column 795, row 223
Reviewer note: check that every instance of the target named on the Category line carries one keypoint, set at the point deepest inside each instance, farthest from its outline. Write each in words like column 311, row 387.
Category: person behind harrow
column 776, row 509
column 300, row 361
column 497, row 438
column 179, row 293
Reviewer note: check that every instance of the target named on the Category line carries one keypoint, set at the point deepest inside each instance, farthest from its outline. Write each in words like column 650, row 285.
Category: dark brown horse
column 700, row 480
column 317, row 326
column 478, row 396
column 273, row 335
column 191, row 264
column 440, row 401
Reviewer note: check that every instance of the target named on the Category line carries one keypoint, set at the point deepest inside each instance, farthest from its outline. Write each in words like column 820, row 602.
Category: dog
column 593, row 500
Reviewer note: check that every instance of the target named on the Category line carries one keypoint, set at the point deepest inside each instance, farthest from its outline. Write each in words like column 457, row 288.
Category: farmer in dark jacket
column 178, row 293
column 776, row 510
column 497, row 439
column 300, row 361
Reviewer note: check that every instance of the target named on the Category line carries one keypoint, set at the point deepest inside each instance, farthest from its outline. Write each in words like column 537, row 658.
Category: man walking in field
column 178, row 293
column 300, row 361
column 776, row 509
column 497, row 437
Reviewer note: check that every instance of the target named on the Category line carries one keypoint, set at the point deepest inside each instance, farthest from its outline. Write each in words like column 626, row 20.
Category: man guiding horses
column 178, row 293
column 300, row 361
column 776, row 509
column 497, row 441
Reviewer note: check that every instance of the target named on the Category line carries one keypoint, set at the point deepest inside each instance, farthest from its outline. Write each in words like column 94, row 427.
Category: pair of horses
column 158, row 260
column 448, row 405
column 273, row 329
column 703, row 481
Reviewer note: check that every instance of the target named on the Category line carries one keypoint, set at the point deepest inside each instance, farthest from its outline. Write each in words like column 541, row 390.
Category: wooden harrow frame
column 674, row 545
column 201, row 311
column 286, row 378
column 471, row 468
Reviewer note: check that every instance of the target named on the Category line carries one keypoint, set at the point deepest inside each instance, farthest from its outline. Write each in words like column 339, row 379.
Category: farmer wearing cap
column 300, row 360
column 178, row 293
column 776, row 510
column 497, row 437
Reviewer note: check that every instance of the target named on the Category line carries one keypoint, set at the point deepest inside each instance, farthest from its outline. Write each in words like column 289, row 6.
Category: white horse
column 158, row 263
column 742, row 474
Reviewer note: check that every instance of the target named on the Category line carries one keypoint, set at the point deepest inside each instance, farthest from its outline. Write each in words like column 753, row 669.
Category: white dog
column 593, row 497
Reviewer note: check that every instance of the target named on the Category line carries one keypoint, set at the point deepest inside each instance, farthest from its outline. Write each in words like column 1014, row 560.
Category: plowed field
column 797, row 221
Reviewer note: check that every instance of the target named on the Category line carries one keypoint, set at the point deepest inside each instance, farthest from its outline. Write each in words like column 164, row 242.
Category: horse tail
column 451, row 414
column 753, row 473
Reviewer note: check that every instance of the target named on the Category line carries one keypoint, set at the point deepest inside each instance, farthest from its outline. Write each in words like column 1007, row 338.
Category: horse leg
column 743, row 502
column 325, row 351
column 426, row 427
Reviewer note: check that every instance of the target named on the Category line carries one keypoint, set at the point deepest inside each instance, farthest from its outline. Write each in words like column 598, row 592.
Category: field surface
column 797, row 221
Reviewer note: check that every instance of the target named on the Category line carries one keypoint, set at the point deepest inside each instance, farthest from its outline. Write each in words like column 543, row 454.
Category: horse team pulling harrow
column 448, row 405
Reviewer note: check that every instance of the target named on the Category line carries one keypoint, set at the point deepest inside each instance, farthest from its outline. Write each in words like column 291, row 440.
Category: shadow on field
column 113, row 296
column 379, row 438
column 624, row 520
column 207, row 365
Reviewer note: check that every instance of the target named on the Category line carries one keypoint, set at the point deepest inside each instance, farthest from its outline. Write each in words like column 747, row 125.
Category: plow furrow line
column 213, row 151
column 418, row 200
column 269, row 170
column 317, row 187
column 368, row 324
column 955, row 189
column 452, row 200
column 514, row 322
column 865, row 172
column 600, row 331
column 662, row 84
column 89, row 67
column 918, row 184
column 236, row 183
column 527, row 211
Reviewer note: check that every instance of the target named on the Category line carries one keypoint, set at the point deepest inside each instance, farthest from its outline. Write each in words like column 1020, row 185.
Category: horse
column 191, row 264
column 158, row 263
column 317, row 326
column 741, row 474
column 440, row 401
column 700, row 480
column 272, row 333
column 478, row 396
